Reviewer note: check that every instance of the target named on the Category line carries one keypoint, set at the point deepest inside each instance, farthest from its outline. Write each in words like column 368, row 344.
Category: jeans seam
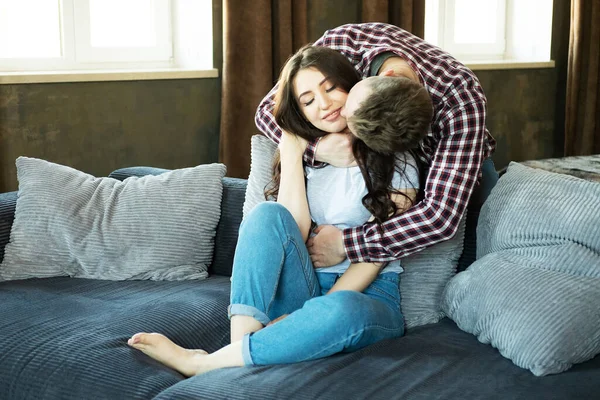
column 311, row 286
column 312, row 289
column 272, row 300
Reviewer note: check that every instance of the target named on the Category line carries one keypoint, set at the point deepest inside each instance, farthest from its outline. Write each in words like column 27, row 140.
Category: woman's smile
column 332, row 116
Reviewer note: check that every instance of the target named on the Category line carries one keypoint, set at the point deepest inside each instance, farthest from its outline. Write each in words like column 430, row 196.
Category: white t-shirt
column 335, row 198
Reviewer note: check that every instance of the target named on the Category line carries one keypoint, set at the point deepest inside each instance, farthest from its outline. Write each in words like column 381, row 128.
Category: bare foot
column 159, row 347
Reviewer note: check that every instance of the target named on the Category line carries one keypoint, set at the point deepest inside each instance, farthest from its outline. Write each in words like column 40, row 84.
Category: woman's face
column 320, row 100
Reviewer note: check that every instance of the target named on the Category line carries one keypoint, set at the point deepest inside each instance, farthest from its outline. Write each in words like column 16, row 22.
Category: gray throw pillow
column 262, row 150
column 425, row 276
column 534, row 292
column 425, row 273
column 69, row 223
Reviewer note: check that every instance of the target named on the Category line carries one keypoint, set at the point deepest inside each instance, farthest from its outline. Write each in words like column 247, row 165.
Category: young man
column 456, row 147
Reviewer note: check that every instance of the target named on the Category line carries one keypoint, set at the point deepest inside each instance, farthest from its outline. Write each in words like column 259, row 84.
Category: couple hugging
column 384, row 166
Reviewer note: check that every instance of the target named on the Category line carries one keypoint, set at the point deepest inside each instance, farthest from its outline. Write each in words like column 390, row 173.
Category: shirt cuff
column 355, row 245
column 311, row 152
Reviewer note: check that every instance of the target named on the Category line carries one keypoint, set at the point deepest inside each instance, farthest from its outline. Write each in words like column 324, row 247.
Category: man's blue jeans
column 273, row 275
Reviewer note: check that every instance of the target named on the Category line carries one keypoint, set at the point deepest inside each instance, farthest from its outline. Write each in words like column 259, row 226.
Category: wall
column 97, row 127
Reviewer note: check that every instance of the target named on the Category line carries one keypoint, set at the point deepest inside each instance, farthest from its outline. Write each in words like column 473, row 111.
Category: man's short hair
column 394, row 117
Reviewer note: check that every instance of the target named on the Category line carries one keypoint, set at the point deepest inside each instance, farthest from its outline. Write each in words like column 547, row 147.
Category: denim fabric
column 273, row 275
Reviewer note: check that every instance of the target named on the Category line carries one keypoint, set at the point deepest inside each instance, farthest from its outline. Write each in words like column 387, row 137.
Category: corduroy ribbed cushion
column 534, row 292
column 69, row 223
column 262, row 150
column 425, row 274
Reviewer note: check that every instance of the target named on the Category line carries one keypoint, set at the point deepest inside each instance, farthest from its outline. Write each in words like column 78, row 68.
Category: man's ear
column 388, row 72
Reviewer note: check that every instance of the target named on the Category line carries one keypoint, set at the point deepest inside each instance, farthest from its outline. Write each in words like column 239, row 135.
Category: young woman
column 282, row 309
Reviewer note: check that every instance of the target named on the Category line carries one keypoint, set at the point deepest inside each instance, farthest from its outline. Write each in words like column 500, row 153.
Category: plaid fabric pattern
column 454, row 147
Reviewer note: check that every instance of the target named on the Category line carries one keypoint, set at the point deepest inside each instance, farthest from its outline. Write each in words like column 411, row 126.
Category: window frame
column 527, row 36
column 76, row 55
column 85, row 53
column 472, row 50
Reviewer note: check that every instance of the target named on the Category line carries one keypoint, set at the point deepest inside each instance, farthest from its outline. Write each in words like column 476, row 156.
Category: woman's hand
column 292, row 145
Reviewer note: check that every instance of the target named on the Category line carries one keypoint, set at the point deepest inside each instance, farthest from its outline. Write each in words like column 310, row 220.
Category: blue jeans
column 273, row 275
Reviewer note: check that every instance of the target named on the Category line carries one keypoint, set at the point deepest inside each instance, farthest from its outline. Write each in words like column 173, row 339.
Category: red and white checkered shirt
column 454, row 147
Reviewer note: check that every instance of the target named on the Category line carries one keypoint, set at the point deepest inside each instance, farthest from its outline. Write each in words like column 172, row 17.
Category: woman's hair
column 332, row 64
column 377, row 167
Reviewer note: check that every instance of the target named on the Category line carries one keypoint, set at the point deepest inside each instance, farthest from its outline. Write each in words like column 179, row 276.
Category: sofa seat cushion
column 436, row 361
column 65, row 338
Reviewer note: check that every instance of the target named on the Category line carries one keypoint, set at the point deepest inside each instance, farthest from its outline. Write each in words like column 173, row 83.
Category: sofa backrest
column 8, row 203
column 234, row 193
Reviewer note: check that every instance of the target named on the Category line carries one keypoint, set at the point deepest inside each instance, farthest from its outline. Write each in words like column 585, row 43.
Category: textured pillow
column 262, row 150
column 69, row 223
column 425, row 276
column 425, row 273
column 534, row 292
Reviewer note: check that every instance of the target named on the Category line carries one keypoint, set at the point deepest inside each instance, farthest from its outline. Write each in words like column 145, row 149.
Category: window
column 476, row 30
column 43, row 35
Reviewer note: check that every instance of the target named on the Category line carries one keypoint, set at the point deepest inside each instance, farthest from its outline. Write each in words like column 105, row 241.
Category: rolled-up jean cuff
column 246, row 350
column 242, row 309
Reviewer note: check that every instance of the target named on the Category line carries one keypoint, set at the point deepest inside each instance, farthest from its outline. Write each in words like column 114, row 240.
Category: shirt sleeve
column 450, row 182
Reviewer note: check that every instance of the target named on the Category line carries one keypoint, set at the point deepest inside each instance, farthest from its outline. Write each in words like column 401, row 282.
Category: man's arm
column 450, row 183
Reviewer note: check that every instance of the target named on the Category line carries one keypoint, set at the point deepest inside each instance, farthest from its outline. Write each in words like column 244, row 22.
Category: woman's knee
column 265, row 216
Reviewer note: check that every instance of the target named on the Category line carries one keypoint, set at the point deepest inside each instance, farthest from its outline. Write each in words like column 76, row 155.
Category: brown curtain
column 258, row 37
column 582, row 120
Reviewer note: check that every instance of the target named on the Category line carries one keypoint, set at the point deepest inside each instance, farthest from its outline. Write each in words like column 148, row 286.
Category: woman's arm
column 292, row 187
column 357, row 277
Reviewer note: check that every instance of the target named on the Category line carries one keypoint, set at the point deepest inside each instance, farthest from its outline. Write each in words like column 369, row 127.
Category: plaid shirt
column 454, row 148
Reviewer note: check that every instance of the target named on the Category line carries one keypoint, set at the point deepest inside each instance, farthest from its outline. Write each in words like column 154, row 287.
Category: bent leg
column 341, row 321
column 272, row 271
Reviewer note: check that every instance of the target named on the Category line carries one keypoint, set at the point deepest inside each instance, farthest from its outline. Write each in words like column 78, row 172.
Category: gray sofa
column 65, row 338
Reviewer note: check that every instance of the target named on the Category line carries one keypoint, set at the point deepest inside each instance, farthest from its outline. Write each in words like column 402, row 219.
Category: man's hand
column 336, row 149
column 327, row 247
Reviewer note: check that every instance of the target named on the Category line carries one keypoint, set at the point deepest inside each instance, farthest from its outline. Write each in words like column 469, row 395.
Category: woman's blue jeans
column 273, row 275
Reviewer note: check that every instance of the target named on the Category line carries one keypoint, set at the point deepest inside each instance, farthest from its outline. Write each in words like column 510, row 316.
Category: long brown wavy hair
column 377, row 168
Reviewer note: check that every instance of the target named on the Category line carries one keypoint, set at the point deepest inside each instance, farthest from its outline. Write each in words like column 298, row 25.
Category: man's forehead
column 359, row 92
